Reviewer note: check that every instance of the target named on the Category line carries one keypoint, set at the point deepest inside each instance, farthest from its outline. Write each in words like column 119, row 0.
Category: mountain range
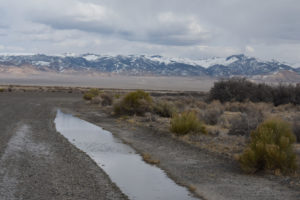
column 142, row 65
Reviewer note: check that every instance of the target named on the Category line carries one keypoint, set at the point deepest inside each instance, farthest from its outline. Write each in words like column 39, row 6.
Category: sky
column 266, row 29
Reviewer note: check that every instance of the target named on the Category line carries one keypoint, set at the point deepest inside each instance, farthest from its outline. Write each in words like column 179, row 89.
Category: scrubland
column 223, row 121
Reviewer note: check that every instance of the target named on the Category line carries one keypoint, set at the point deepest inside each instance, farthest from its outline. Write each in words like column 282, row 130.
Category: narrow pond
column 126, row 168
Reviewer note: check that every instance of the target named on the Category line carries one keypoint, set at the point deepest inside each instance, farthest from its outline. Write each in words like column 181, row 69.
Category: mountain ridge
column 144, row 65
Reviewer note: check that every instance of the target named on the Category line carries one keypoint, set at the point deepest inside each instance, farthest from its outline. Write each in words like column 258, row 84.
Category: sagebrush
column 186, row 122
column 134, row 103
column 271, row 148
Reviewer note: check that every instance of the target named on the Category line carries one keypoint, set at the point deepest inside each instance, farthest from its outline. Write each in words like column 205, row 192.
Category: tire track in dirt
column 19, row 143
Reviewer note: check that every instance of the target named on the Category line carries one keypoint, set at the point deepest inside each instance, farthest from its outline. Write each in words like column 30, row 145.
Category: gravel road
column 36, row 162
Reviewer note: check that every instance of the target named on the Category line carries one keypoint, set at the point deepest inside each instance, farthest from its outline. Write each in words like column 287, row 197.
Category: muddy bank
column 212, row 176
column 36, row 162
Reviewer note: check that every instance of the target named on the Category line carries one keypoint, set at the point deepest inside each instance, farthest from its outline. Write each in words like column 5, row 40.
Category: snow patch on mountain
column 41, row 63
column 201, row 62
column 91, row 57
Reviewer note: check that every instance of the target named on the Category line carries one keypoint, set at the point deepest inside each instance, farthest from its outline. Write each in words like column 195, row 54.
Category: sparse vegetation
column 134, row 103
column 270, row 148
column 186, row 122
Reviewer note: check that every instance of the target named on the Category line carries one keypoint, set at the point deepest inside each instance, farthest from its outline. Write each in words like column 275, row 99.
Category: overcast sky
column 267, row 29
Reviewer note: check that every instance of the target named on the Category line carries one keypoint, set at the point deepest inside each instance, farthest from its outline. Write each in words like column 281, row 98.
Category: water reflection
column 137, row 179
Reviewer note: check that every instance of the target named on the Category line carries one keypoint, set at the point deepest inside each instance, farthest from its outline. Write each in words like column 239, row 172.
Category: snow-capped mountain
column 141, row 65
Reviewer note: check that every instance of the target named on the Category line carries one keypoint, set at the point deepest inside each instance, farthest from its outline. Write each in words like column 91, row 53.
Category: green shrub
column 1, row 90
column 89, row 95
column 164, row 109
column 186, row 122
column 270, row 148
column 137, row 102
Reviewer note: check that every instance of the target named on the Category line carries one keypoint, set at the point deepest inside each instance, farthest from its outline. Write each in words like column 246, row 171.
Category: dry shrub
column 134, row 103
column 201, row 104
column 106, row 99
column 212, row 113
column 96, row 100
column 246, row 122
column 164, row 109
column 271, row 148
column 296, row 127
column 186, row 122
column 92, row 93
column 238, row 106
column 228, row 118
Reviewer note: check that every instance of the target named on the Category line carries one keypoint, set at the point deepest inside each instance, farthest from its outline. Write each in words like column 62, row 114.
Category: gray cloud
column 194, row 28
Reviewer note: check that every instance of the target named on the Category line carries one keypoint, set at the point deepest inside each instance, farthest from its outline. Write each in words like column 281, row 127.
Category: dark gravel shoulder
column 36, row 162
column 214, row 177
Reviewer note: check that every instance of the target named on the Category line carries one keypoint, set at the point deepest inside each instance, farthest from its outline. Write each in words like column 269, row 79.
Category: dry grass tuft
column 148, row 159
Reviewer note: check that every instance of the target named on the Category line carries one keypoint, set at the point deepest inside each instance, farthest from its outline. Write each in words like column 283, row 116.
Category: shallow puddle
column 137, row 179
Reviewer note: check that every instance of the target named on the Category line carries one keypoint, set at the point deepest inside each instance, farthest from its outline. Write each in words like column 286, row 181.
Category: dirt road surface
column 36, row 162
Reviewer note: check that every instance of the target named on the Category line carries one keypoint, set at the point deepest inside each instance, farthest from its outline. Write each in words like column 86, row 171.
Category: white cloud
column 191, row 28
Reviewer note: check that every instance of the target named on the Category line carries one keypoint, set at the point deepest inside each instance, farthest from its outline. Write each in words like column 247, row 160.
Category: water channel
column 136, row 178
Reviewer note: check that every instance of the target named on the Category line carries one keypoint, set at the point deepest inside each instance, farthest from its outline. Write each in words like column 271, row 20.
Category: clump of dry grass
column 148, row 159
